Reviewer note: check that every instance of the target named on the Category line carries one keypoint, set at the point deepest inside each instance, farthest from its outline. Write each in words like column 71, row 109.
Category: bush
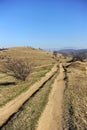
column 79, row 57
column 55, row 53
column 17, row 68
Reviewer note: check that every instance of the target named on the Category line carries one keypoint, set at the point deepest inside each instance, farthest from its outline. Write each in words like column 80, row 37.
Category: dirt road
column 13, row 106
column 51, row 118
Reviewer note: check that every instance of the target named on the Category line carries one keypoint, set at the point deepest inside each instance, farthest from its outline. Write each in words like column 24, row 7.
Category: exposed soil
column 14, row 105
column 51, row 118
column 29, row 113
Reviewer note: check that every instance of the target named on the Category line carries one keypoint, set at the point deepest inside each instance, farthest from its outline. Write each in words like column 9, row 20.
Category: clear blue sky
column 43, row 23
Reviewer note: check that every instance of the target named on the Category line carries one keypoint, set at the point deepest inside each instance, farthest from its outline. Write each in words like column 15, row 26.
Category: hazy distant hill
column 69, row 51
column 72, row 51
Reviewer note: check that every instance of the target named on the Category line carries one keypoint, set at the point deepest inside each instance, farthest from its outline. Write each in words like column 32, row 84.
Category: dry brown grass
column 34, row 107
column 27, row 117
column 9, row 92
column 76, row 97
column 36, row 56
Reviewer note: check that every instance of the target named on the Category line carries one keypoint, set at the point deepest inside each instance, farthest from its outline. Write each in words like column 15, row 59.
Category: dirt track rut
column 13, row 106
column 51, row 118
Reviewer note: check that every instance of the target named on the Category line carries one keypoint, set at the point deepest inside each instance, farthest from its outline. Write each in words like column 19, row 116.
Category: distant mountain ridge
column 69, row 51
column 72, row 51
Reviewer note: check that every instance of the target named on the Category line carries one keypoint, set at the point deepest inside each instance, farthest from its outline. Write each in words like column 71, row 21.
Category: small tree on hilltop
column 55, row 53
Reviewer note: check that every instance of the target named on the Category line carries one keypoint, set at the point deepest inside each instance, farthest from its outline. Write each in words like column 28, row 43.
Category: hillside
column 75, row 101
column 54, row 93
column 36, row 56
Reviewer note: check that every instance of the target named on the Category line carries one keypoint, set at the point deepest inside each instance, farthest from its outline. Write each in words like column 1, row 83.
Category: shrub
column 55, row 53
column 79, row 57
column 17, row 68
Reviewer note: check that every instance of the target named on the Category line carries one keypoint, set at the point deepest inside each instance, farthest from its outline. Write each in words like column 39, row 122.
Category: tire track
column 51, row 118
column 13, row 106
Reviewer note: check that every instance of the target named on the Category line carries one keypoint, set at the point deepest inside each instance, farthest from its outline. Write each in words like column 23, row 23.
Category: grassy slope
column 38, row 57
column 76, row 98
column 27, row 117
column 9, row 92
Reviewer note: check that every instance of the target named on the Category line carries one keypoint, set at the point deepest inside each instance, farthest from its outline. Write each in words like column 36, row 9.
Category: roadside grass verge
column 7, row 93
column 75, row 101
column 28, row 115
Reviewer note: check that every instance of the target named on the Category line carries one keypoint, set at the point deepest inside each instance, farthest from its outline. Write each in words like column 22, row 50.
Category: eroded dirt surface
column 13, row 106
column 51, row 118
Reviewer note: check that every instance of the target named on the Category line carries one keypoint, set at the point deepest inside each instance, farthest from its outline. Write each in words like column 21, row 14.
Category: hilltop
column 36, row 56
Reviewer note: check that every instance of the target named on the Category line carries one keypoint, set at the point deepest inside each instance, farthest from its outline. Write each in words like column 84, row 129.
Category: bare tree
column 79, row 57
column 17, row 68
